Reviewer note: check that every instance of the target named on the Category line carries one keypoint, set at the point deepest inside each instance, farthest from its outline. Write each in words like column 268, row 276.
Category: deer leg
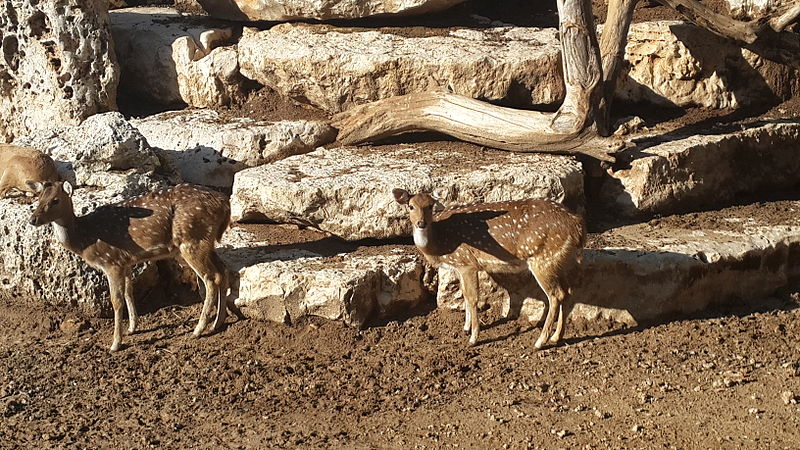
column 469, row 286
column 564, row 309
column 204, row 269
column 221, row 280
column 133, row 317
column 555, row 294
column 116, row 284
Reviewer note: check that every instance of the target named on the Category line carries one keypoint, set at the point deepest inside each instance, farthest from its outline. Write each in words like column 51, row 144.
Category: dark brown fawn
column 181, row 221
column 504, row 237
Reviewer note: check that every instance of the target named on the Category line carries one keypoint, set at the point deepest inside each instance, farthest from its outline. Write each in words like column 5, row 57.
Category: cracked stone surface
column 206, row 149
column 278, row 10
column 58, row 67
column 701, row 171
column 348, row 191
column 285, row 285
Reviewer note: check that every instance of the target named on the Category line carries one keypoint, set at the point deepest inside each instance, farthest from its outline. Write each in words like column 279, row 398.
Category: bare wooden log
column 470, row 120
column 612, row 50
column 790, row 16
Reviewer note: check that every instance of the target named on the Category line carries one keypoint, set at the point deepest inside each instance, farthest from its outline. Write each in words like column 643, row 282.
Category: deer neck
column 427, row 240
column 64, row 229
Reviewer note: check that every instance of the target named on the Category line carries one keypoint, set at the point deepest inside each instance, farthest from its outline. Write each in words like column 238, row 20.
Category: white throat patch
column 421, row 237
column 61, row 232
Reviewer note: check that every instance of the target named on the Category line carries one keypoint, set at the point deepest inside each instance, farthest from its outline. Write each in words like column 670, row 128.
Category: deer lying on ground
column 184, row 220
column 18, row 165
column 504, row 237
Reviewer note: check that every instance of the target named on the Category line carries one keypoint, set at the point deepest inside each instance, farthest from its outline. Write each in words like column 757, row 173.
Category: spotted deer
column 505, row 237
column 184, row 221
column 19, row 165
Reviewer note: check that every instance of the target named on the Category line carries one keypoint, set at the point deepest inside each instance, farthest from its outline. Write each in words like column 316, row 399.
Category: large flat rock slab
column 348, row 191
column 58, row 65
column 284, row 283
column 281, row 10
column 703, row 170
column 646, row 273
column 207, row 149
column 103, row 151
column 337, row 68
column 168, row 59
column 676, row 63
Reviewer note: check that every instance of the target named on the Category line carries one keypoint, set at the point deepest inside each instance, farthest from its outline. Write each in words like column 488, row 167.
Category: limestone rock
column 278, row 10
column 36, row 268
column 168, row 59
column 206, row 149
column 58, row 67
column 104, row 151
column 285, row 285
column 348, row 191
column 753, row 9
column 650, row 274
column 702, row 171
column 676, row 63
column 336, row 68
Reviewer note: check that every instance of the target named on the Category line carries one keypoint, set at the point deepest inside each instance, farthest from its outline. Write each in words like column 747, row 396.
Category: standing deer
column 184, row 220
column 504, row 237
column 19, row 165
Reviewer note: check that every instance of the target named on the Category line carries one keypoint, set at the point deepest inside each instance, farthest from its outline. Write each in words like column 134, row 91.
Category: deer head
column 55, row 201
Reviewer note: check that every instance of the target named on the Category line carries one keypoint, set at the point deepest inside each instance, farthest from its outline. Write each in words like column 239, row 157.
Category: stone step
column 687, row 173
column 632, row 275
column 167, row 58
column 337, row 68
column 285, row 282
column 652, row 271
column 675, row 63
column 207, row 149
column 347, row 191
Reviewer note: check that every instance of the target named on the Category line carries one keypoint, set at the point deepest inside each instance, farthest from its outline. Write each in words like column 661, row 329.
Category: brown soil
column 724, row 381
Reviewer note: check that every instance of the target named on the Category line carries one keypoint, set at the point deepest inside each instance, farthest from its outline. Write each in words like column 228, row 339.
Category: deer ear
column 35, row 186
column 439, row 193
column 67, row 188
column 401, row 195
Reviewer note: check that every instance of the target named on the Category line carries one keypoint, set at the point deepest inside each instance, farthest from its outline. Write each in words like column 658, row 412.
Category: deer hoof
column 114, row 347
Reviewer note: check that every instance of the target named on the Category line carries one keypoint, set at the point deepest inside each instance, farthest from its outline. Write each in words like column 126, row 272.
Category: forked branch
column 470, row 120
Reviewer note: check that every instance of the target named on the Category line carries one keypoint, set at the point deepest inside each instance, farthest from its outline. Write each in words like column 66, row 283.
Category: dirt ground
column 729, row 378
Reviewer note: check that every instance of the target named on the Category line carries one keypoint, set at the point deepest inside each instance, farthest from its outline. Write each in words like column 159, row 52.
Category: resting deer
column 19, row 165
column 184, row 220
column 504, row 237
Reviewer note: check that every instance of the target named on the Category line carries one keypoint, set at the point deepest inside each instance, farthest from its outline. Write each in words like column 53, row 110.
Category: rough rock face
column 279, row 10
column 208, row 150
column 167, row 60
column 653, row 273
column 57, row 66
column 285, row 285
column 104, row 151
column 751, row 9
column 675, row 63
column 705, row 170
column 335, row 69
column 35, row 267
column 348, row 191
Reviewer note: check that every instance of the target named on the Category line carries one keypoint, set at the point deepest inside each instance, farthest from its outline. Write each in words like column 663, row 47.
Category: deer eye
column 53, row 202
column 411, row 207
